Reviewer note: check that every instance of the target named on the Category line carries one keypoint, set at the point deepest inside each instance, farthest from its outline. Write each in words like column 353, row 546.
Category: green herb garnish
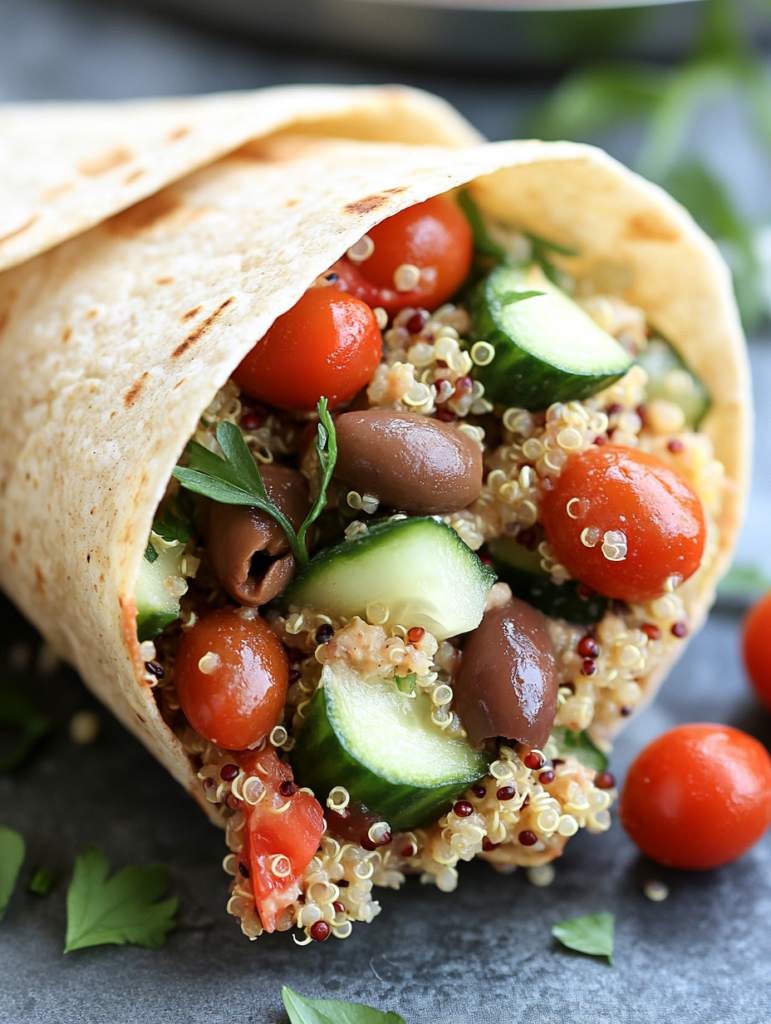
column 11, row 860
column 235, row 479
column 42, row 881
column 744, row 581
column 302, row 1010
column 590, row 934
column 542, row 251
column 19, row 715
column 150, row 553
column 580, row 746
column 406, row 683
column 118, row 910
column 509, row 298
column 484, row 245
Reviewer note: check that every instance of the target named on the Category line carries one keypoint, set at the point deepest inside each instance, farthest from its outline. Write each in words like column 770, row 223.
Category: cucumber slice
column 547, row 349
column 521, row 569
column 418, row 568
column 157, row 607
column 383, row 747
column 670, row 378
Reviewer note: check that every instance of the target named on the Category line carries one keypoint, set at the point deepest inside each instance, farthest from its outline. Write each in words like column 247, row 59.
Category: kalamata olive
column 507, row 683
column 247, row 548
column 408, row 461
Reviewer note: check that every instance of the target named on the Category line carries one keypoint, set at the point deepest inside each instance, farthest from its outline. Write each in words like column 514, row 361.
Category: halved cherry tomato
column 756, row 644
column 433, row 236
column 624, row 522
column 283, row 832
column 327, row 344
column 698, row 797
column 231, row 674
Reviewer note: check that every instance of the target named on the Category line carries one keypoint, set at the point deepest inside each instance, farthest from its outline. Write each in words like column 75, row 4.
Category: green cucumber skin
column 519, row 378
column 156, row 607
column 321, row 761
column 151, row 624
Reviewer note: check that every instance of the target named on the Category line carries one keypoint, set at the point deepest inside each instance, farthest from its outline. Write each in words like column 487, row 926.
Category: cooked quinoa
column 523, row 812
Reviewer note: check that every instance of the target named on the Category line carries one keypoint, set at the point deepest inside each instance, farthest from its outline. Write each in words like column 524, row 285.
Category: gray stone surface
column 483, row 954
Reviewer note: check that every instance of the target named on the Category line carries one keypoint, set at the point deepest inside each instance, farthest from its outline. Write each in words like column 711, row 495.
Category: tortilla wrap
column 116, row 341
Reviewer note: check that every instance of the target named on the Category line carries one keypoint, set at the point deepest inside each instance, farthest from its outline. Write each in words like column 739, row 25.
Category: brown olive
column 247, row 548
column 507, row 683
column 408, row 461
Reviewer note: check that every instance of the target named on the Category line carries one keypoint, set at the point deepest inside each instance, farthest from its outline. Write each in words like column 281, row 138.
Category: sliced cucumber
column 157, row 606
column 547, row 349
column 670, row 378
column 521, row 569
column 418, row 568
column 382, row 746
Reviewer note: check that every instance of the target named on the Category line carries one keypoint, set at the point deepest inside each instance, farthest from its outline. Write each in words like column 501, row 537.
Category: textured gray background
column 482, row 954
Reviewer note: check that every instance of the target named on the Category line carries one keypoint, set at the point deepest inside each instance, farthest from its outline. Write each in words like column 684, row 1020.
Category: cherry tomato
column 328, row 344
column 433, row 236
column 624, row 522
column 698, row 797
column 283, row 832
column 756, row 643
column 231, row 674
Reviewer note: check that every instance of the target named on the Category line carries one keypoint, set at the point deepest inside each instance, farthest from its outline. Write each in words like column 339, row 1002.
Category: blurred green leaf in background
column 664, row 102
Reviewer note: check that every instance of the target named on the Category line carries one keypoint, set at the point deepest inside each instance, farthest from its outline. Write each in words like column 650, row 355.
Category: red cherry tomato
column 283, row 832
column 328, row 344
column 235, row 695
column 433, row 236
column 756, row 644
column 698, row 797
column 638, row 501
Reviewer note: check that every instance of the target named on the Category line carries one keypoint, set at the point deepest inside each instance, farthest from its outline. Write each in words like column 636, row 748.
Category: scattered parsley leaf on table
column 42, row 882
column 302, row 1010
column 590, row 934
column 118, row 910
column 11, row 860
column 20, row 716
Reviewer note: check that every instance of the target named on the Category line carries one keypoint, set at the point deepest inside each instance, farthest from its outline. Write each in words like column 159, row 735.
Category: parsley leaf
column 509, row 298
column 542, row 252
column 406, row 683
column 42, row 882
column 590, row 934
column 11, row 860
column 580, row 746
column 235, row 479
column 302, row 1010
column 117, row 910
column 19, row 715
column 175, row 523
column 744, row 581
column 150, row 553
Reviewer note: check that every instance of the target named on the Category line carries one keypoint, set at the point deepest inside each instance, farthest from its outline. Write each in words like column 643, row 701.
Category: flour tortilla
column 65, row 167
column 116, row 341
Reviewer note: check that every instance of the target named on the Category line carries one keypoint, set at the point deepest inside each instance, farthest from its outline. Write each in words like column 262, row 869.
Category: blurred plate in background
column 510, row 36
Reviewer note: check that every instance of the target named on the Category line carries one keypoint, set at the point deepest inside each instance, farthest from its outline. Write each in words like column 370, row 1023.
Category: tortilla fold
column 113, row 343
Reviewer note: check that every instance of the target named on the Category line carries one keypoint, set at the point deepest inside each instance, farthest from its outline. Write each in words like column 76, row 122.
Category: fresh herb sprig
column 591, row 934
column 302, row 1010
column 235, row 479
column 117, row 910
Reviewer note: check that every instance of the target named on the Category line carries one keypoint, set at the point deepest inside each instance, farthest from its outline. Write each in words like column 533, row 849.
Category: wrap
column 114, row 342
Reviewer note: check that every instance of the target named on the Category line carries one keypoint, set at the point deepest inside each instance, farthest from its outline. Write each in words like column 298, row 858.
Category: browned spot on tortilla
column 191, row 313
column 88, row 558
column 101, row 577
column 650, row 226
column 164, row 280
column 20, row 230
column 91, row 314
column 291, row 202
column 58, row 190
column 14, row 557
column 178, row 133
column 133, row 392
column 5, row 316
column 145, row 214
column 134, row 176
column 40, row 580
column 35, row 484
column 201, row 329
column 179, row 384
column 395, row 191
column 142, row 720
column 365, row 205
column 17, row 538
column 67, row 334
column 108, row 161
column 113, row 414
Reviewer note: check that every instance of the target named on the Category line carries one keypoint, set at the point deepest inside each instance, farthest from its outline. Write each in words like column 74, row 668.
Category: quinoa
column 523, row 812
